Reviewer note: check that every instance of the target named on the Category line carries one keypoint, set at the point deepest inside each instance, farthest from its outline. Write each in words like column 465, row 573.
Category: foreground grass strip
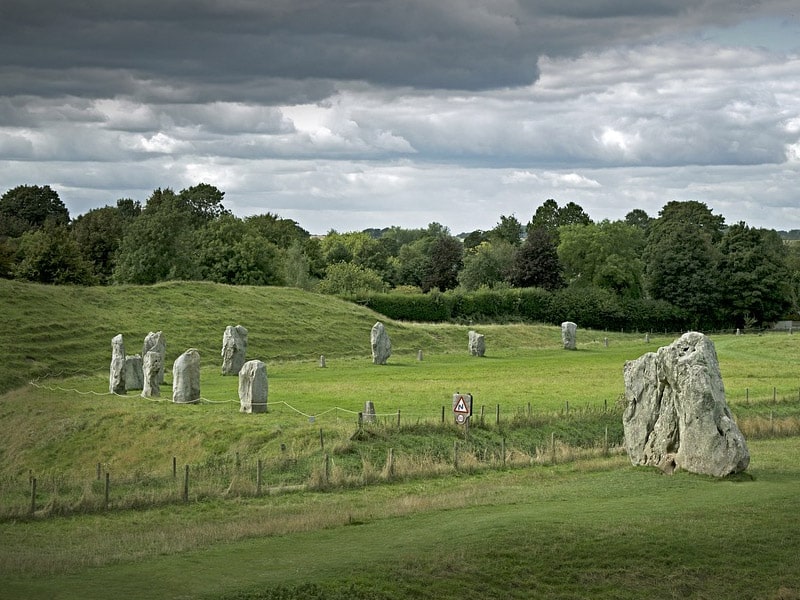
column 599, row 529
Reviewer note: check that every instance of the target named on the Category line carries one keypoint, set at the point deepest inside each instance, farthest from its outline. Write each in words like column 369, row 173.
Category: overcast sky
column 348, row 114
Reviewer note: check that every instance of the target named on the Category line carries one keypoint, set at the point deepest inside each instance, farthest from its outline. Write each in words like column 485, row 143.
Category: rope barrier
column 202, row 399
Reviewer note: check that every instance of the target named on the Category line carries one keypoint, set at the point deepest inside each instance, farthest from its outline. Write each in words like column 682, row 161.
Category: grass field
column 457, row 518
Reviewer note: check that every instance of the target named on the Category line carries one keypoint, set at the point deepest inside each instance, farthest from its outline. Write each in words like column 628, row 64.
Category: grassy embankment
column 595, row 528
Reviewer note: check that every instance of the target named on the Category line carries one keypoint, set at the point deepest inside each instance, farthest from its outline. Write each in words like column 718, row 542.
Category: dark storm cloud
column 251, row 50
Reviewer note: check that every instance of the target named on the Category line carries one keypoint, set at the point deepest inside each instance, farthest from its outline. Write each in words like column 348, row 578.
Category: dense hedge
column 588, row 307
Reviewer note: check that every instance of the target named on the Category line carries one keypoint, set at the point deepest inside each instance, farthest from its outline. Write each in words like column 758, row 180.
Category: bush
column 590, row 307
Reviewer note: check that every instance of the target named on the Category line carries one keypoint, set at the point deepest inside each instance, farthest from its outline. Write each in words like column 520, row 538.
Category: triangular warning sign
column 461, row 407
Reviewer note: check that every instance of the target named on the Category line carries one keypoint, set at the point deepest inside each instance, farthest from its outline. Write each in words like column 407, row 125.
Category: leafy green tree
column 639, row 218
column 550, row 217
column 508, row 229
column 158, row 245
column 229, row 252
column 606, row 254
column 446, row 259
column 412, row 262
column 536, row 262
column 98, row 234
column 298, row 268
column 350, row 279
column 681, row 268
column 486, row 265
column 475, row 238
column 28, row 207
column 694, row 213
column 51, row 255
column 204, row 202
column 281, row 232
column 754, row 274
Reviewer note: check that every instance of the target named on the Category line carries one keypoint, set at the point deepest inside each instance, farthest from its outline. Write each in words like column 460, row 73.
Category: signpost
column 462, row 407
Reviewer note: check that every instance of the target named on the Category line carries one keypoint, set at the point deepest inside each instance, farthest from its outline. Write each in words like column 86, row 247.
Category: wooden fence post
column 390, row 463
column 33, row 495
column 327, row 468
column 455, row 455
column 497, row 415
column 186, row 484
column 321, row 440
column 398, row 418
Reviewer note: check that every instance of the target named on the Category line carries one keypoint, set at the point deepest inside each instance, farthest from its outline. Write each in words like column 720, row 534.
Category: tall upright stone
column 675, row 413
column 186, row 378
column 477, row 344
column 381, row 344
column 116, row 373
column 253, row 387
column 152, row 365
column 234, row 349
column 134, row 375
column 569, row 335
column 157, row 342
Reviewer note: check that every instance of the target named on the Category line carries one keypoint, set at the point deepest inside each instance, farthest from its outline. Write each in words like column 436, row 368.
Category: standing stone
column 116, row 374
column 134, row 376
column 157, row 342
column 381, row 344
column 477, row 344
column 186, row 377
column 253, row 387
column 152, row 365
column 676, row 415
column 369, row 412
column 234, row 348
column 568, row 335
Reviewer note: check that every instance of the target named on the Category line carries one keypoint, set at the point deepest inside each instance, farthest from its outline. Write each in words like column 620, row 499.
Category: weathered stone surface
column 676, row 415
column 234, row 349
column 477, row 344
column 186, row 377
column 134, row 376
column 116, row 373
column 381, row 344
column 152, row 365
column 253, row 387
column 569, row 335
column 369, row 412
column 157, row 342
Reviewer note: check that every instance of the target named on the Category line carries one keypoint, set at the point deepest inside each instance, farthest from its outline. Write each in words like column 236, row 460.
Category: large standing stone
column 116, row 373
column 676, row 415
column 381, row 344
column 234, row 348
column 477, row 344
column 157, row 342
column 186, row 377
column 569, row 335
column 134, row 376
column 253, row 387
column 152, row 365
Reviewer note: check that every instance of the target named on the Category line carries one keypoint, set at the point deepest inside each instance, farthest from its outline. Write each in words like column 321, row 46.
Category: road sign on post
column 462, row 407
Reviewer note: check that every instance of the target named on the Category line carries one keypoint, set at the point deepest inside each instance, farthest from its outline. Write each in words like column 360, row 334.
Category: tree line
column 686, row 257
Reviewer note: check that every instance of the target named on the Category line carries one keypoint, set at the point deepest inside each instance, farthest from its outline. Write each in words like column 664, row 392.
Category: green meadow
column 142, row 498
